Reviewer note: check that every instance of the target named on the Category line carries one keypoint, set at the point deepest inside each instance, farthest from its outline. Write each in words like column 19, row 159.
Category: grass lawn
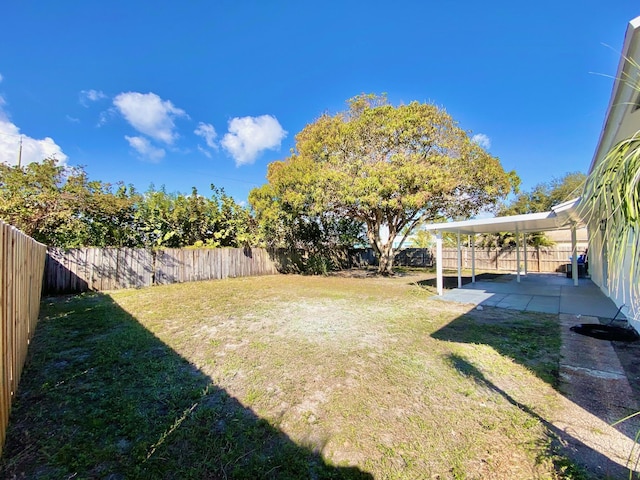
column 286, row 377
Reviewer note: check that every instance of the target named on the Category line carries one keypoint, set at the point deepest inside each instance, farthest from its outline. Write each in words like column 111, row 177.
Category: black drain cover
column 606, row 332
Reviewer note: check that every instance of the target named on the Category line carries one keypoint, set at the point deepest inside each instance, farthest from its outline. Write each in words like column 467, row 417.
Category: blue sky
column 191, row 93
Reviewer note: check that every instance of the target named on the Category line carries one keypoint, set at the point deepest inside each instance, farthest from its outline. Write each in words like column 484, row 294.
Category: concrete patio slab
column 544, row 304
column 515, row 301
column 476, row 297
column 540, row 292
column 493, row 299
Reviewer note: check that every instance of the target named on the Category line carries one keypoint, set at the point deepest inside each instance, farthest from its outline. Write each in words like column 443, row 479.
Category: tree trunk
column 385, row 261
column 384, row 251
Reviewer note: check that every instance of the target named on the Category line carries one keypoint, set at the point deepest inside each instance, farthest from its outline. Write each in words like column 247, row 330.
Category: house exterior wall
column 622, row 121
column 597, row 268
column 622, row 118
column 615, row 280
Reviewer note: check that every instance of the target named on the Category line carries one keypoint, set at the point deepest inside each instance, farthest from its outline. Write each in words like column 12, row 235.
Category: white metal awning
column 561, row 217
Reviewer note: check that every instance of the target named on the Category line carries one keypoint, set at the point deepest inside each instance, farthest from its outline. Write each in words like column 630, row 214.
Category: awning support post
column 574, row 255
column 526, row 267
column 473, row 258
column 517, row 256
column 439, row 263
column 459, row 262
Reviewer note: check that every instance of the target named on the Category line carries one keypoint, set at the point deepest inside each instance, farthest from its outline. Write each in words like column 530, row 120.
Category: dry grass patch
column 369, row 373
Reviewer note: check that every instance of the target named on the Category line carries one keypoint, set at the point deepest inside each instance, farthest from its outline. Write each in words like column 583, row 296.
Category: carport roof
column 561, row 217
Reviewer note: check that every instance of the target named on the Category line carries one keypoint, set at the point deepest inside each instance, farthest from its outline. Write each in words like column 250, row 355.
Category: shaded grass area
column 450, row 279
column 102, row 397
column 286, row 377
column 531, row 340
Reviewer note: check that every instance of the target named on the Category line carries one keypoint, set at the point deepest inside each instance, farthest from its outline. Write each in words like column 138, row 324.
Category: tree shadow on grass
column 102, row 397
column 450, row 281
column 595, row 462
column 532, row 340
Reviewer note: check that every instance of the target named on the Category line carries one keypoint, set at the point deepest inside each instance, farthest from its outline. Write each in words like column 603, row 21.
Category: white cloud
column 481, row 139
column 250, row 136
column 206, row 153
column 149, row 114
column 33, row 149
column 206, row 131
column 72, row 119
column 87, row 96
column 145, row 149
column 105, row 116
column 1, row 77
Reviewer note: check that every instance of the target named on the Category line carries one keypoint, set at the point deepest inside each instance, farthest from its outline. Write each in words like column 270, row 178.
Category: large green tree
column 175, row 220
column 31, row 198
column 546, row 195
column 541, row 198
column 288, row 217
column 388, row 168
column 60, row 206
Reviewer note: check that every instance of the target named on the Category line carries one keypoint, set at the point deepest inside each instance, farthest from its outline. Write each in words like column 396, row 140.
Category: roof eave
column 622, row 93
column 561, row 217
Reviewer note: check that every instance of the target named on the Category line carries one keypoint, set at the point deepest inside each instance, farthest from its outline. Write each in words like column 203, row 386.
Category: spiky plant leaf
column 611, row 198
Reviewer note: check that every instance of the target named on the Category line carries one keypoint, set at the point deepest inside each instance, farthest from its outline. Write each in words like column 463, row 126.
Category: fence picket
column 22, row 268
column 550, row 259
column 78, row 270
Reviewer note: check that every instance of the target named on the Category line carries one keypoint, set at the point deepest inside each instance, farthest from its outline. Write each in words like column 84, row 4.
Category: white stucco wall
column 596, row 258
column 622, row 121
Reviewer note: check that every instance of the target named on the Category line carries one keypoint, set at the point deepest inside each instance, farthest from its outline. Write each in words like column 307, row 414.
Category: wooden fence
column 547, row 259
column 22, row 265
column 82, row 269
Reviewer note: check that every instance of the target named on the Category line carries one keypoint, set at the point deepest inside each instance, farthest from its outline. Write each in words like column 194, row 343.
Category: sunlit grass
column 285, row 377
